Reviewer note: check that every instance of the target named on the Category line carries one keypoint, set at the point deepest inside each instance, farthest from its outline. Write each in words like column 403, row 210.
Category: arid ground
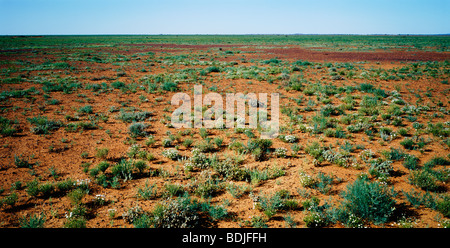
column 87, row 141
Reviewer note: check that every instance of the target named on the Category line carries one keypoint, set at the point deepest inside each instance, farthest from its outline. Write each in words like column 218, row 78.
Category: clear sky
column 34, row 17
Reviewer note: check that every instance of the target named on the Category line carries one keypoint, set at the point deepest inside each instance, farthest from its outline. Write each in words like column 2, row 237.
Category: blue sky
column 34, row 17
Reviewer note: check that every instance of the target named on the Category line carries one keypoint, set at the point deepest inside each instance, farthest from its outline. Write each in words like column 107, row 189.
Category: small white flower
column 290, row 138
column 68, row 215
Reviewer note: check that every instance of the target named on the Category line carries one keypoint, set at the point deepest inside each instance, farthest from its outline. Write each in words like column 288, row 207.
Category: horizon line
column 290, row 34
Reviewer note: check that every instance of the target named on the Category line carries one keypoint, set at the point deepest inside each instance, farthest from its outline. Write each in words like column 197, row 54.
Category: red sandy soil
column 67, row 159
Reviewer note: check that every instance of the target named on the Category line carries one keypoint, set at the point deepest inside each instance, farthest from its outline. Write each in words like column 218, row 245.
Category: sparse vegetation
column 87, row 137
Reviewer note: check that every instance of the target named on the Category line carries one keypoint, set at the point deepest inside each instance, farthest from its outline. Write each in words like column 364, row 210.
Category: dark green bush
column 443, row 206
column 118, row 85
column 366, row 87
column 85, row 110
column 424, row 179
column 271, row 204
column 212, row 69
column 369, row 200
column 411, row 162
column 7, row 127
column 133, row 116
column 10, row 199
column 34, row 221
column 169, row 86
column 438, row 130
column 22, row 162
column 123, row 169
column 418, row 199
column 137, row 130
column 42, row 125
column 259, row 148
column 408, row 144
column 437, row 161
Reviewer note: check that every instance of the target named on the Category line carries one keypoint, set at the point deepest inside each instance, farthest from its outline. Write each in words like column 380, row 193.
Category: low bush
column 41, row 125
column 259, row 148
column 381, row 169
column 270, row 204
column 34, row 221
column 182, row 212
column 137, row 130
column 7, row 127
column 171, row 154
column 424, row 179
column 133, row 116
column 371, row 201
column 411, row 162
column 169, row 86
column 85, row 110
column 123, row 169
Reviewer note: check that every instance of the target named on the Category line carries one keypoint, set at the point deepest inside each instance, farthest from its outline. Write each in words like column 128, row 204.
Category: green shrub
column 140, row 165
column 118, row 85
column 167, row 143
column 32, row 188
column 133, row 116
column 366, row 87
column 188, row 143
column 315, row 219
column 329, row 109
column 147, row 192
column 66, row 185
column 85, row 110
column 169, row 86
column 271, row 204
column 381, row 168
column 272, row 172
column 205, row 145
column 42, row 125
column 424, row 179
column 75, row 222
column 137, row 130
column 323, row 183
column 178, row 213
column 73, row 127
column 198, row 160
column 237, row 190
column 369, row 200
column 10, row 199
column 171, row 154
column 174, row 189
column 102, row 153
column 418, row 199
column 438, row 130
column 35, row 221
column 46, row 189
column 411, row 162
column 212, row 69
column 76, row 196
column 257, row 222
column 443, row 206
column 216, row 212
column 408, row 144
column 22, row 162
column 231, row 170
column 142, row 221
column 369, row 106
column 314, row 149
column 402, row 131
column 437, row 161
column 123, row 169
column 7, row 127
